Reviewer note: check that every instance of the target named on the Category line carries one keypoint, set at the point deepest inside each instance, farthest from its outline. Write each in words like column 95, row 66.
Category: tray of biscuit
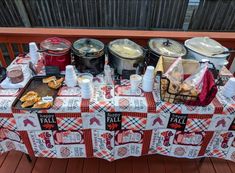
column 39, row 93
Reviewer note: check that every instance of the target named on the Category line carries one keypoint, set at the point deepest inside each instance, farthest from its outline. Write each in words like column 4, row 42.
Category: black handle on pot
column 167, row 43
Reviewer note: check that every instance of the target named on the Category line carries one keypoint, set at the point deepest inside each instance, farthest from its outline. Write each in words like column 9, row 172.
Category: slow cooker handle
column 167, row 43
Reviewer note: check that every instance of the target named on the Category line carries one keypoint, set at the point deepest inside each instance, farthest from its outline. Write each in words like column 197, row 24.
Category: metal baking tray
column 35, row 84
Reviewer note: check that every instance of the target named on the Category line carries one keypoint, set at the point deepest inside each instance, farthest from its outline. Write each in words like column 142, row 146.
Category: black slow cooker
column 163, row 47
column 89, row 55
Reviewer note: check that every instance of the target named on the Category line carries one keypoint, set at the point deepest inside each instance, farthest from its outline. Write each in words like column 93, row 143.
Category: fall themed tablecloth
column 117, row 123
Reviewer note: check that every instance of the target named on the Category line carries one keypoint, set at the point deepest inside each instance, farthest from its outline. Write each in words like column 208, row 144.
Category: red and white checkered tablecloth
column 116, row 124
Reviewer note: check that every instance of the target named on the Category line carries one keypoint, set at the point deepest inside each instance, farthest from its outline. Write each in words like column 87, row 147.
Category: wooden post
column 21, row 9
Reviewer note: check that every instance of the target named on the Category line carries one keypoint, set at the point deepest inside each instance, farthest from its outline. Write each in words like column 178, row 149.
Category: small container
column 135, row 81
column 56, row 52
column 15, row 74
column 83, row 76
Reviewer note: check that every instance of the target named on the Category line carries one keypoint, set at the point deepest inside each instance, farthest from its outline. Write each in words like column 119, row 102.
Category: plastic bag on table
column 175, row 74
column 194, row 82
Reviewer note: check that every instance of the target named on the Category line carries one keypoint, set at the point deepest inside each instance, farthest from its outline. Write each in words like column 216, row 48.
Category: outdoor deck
column 16, row 162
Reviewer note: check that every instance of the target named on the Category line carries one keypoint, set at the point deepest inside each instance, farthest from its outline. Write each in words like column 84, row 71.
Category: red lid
column 56, row 45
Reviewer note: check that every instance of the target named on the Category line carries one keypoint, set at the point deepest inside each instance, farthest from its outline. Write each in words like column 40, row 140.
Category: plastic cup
column 229, row 88
column 149, row 73
column 34, row 55
column 70, row 76
column 135, row 81
column 147, row 85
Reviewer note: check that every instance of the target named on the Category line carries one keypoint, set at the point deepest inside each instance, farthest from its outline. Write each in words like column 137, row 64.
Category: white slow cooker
column 201, row 48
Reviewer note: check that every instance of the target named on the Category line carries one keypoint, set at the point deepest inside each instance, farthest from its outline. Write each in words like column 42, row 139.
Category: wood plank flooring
column 16, row 162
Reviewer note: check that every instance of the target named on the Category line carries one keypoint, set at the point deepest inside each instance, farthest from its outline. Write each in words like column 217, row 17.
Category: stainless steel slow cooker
column 89, row 55
column 125, row 55
column 163, row 46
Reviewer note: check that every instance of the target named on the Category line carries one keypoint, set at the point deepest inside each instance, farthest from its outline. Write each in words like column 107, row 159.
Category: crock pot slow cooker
column 56, row 52
column 125, row 55
column 163, row 46
column 89, row 55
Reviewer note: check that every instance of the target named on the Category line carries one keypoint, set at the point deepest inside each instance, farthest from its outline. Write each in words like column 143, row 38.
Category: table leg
column 28, row 158
column 201, row 161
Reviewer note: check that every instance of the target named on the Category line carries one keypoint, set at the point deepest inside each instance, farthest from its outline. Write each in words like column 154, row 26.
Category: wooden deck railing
column 21, row 36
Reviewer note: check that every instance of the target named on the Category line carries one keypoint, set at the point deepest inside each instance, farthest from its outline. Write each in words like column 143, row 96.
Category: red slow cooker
column 56, row 52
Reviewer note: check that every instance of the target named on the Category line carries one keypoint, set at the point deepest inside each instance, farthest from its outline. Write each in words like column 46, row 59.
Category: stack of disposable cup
column 70, row 76
column 229, row 88
column 33, row 52
column 86, row 89
column 108, row 75
column 148, row 79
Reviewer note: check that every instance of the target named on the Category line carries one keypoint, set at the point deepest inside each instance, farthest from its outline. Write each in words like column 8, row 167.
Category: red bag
column 208, row 92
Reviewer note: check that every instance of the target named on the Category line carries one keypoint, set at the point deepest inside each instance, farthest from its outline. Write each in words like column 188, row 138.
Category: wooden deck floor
column 16, row 162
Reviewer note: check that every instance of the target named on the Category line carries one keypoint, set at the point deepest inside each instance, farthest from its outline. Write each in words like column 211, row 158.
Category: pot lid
column 56, row 44
column 88, row 46
column 125, row 48
column 205, row 46
column 167, row 47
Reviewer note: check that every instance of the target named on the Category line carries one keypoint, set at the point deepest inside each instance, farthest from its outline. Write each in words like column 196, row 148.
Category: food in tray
column 55, row 84
column 15, row 74
column 48, row 79
column 41, row 104
column 32, row 99
column 29, row 96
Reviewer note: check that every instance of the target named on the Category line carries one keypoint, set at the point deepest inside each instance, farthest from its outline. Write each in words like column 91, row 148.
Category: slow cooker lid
column 88, row 47
column 56, row 45
column 167, row 47
column 125, row 48
column 204, row 45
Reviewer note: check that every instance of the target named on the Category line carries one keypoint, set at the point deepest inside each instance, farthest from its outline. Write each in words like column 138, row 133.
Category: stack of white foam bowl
column 200, row 48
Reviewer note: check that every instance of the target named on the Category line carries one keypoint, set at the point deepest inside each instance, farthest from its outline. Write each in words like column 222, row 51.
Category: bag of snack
column 175, row 72
column 193, row 84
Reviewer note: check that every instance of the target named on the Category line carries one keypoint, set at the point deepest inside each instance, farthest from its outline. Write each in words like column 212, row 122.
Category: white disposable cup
column 34, row 55
column 70, row 76
column 149, row 73
column 86, row 89
column 147, row 85
column 135, row 81
column 229, row 88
